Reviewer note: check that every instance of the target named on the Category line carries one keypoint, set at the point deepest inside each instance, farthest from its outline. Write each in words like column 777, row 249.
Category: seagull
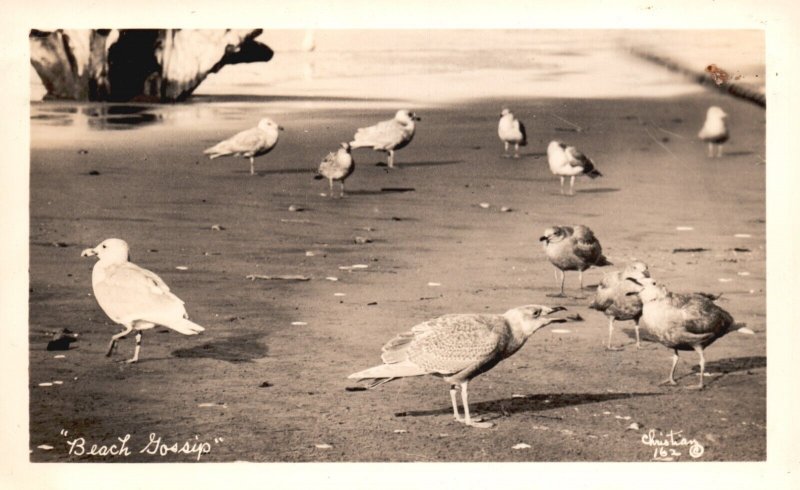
column 572, row 249
column 568, row 161
column 337, row 166
column 681, row 321
column 714, row 131
column 511, row 130
column 387, row 136
column 134, row 297
column 249, row 143
column 457, row 348
column 612, row 298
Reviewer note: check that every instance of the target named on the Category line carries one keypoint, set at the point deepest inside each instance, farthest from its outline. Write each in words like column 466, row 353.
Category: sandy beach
column 259, row 388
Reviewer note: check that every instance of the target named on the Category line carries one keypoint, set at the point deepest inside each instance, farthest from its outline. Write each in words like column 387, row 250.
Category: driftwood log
column 148, row 65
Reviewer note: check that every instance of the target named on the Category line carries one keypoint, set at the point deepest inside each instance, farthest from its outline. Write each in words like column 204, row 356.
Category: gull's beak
column 89, row 252
column 557, row 319
column 416, row 117
column 543, row 239
column 280, row 128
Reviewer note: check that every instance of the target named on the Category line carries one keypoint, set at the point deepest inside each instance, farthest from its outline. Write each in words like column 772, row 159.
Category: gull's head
column 530, row 318
column 552, row 235
column 505, row 112
column 554, row 145
column 715, row 112
column 268, row 124
column 112, row 250
column 636, row 270
column 405, row 116
column 647, row 289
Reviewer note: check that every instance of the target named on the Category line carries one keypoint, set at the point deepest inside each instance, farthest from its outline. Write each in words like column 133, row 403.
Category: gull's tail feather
column 602, row 261
column 386, row 372
column 186, row 327
column 593, row 174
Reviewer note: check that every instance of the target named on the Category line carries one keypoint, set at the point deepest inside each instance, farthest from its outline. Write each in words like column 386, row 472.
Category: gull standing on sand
column 134, row 297
column 387, row 136
column 337, row 165
column 249, row 143
column 457, row 348
column 567, row 161
column 511, row 130
column 613, row 300
column 714, row 131
column 572, row 249
column 681, row 321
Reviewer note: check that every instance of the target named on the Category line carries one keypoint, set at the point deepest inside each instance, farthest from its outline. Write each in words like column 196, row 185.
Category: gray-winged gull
column 511, row 130
column 457, row 348
column 387, row 136
column 337, row 166
column 249, row 143
column 567, row 161
column 572, row 249
column 681, row 321
column 134, row 297
column 714, row 131
column 613, row 300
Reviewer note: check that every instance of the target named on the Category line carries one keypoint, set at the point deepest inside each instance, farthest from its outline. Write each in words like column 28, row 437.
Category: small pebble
column 521, row 445
column 45, row 447
column 633, row 426
column 323, row 446
column 560, row 330
column 217, row 228
column 684, row 228
column 505, row 209
column 400, row 431
column 746, row 331
column 362, row 240
column 484, row 205
column 339, row 294
column 295, row 209
column 182, row 268
column 434, row 284
column 45, row 384
column 60, row 356
column 331, row 278
column 725, row 279
column 742, row 235
column 299, row 324
column 744, row 273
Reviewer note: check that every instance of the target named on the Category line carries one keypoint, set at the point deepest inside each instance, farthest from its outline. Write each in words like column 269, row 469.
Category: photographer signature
column 671, row 446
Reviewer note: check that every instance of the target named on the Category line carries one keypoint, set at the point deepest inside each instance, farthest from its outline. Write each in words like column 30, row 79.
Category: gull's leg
column 465, row 401
column 699, row 386
column 562, row 184
column 505, row 150
column 516, row 150
column 113, row 343
column 561, row 279
column 580, row 278
column 638, row 342
column 563, row 276
column 391, row 158
column 455, row 404
column 610, row 331
column 572, row 185
column 135, row 357
column 719, row 151
column 252, row 166
column 711, row 150
column 342, row 182
column 671, row 379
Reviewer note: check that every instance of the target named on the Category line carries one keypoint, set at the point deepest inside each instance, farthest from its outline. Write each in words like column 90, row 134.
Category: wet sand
column 155, row 190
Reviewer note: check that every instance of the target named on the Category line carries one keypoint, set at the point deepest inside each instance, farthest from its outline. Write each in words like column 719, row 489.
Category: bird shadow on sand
column 435, row 163
column 492, row 409
column 738, row 153
column 242, row 348
column 597, row 190
column 280, row 171
column 379, row 192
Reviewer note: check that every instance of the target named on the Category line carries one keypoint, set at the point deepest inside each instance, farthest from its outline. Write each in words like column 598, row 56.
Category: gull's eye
column 104, row 246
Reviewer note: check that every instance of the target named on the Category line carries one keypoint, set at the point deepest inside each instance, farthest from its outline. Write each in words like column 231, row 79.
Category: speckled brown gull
column 249, row 143
column 714, row 131
column 134, row 297
column 336, row 166
column 681, row 321
column 388, row 136
column 571, row 248
column 511, row 131
column 613, row 300
column 458, row 348
column 567, row 161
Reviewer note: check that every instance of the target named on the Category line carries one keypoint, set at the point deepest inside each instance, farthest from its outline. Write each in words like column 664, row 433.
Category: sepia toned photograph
column 309, row 243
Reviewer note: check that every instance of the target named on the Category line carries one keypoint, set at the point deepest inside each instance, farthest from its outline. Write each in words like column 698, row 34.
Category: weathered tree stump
column 153, row 65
